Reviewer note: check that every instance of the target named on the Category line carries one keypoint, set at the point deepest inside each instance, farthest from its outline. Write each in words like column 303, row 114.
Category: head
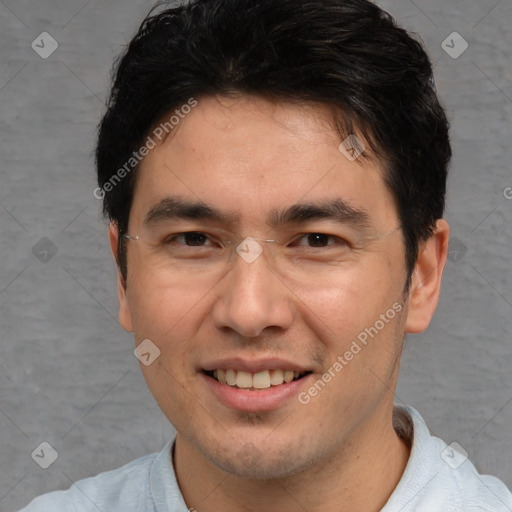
column 241, row 106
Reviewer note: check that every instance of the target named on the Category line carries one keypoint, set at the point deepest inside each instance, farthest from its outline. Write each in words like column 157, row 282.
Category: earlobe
column 125, row 317
column 426, row 279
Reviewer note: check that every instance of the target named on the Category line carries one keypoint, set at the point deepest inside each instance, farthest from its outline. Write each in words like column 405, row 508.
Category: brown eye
column 195, row 239
column 319, row 240
column 191, row 239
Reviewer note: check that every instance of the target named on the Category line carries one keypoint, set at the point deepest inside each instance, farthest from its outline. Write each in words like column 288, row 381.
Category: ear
column 125, row 315
column 426, row 279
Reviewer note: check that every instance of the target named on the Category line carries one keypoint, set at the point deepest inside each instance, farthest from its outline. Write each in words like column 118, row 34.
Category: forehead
column 249, row 156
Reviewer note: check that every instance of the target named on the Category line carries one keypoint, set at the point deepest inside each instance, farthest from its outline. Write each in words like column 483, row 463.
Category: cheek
column 351, row 301
column 346, row 318
column 159, row 310
column 169, row 318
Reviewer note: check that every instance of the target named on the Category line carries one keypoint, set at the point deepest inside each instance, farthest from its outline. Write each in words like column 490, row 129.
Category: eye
column 190, row 238
column 320, row 240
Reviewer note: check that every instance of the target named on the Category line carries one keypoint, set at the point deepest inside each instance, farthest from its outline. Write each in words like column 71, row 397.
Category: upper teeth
column 259, row 380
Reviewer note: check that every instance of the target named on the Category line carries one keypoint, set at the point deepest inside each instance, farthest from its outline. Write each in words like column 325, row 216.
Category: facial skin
column 247, row 157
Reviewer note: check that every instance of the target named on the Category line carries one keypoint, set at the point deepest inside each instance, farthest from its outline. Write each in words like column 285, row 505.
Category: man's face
column 298, row 306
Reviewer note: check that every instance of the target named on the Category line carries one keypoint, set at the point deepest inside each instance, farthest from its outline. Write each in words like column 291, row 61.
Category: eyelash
column 339, row 241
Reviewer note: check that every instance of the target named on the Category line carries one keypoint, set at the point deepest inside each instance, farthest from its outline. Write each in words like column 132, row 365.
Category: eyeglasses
column 204, row 256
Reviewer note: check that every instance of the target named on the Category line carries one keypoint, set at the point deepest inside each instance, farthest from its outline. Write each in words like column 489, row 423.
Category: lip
column 254, row 365
column 255, row 401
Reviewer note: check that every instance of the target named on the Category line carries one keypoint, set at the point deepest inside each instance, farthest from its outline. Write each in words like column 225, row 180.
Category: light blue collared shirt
column 436, row 479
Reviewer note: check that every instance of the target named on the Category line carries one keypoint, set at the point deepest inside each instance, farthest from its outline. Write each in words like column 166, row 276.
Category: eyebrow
column 171, row 208
column 340, row 211
column 337, row 210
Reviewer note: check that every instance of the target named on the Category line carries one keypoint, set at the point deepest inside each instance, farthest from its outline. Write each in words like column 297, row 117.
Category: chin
column 266, row 469
column 252, row 462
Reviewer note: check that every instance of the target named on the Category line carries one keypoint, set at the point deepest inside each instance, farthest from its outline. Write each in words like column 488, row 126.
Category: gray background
column 67, row 372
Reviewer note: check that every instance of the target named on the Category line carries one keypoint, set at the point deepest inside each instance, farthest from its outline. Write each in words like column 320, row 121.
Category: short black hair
column 349, row 55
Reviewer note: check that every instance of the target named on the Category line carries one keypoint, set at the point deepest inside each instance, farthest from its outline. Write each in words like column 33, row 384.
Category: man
column 274, row 173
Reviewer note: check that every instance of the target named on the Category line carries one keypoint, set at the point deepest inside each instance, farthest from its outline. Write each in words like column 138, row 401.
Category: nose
column 252, row 298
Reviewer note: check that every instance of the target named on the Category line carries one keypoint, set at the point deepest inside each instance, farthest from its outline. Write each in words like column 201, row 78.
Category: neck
column 360, row 477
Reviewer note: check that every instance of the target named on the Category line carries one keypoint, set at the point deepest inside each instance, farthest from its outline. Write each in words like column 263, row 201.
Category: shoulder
column 464, row 488
column 123, row 489
column 440, row 477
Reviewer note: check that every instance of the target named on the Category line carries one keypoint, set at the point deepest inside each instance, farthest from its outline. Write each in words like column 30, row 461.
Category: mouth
column 259, row 381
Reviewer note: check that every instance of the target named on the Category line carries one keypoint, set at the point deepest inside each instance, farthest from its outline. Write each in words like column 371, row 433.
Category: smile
column 255, row 381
